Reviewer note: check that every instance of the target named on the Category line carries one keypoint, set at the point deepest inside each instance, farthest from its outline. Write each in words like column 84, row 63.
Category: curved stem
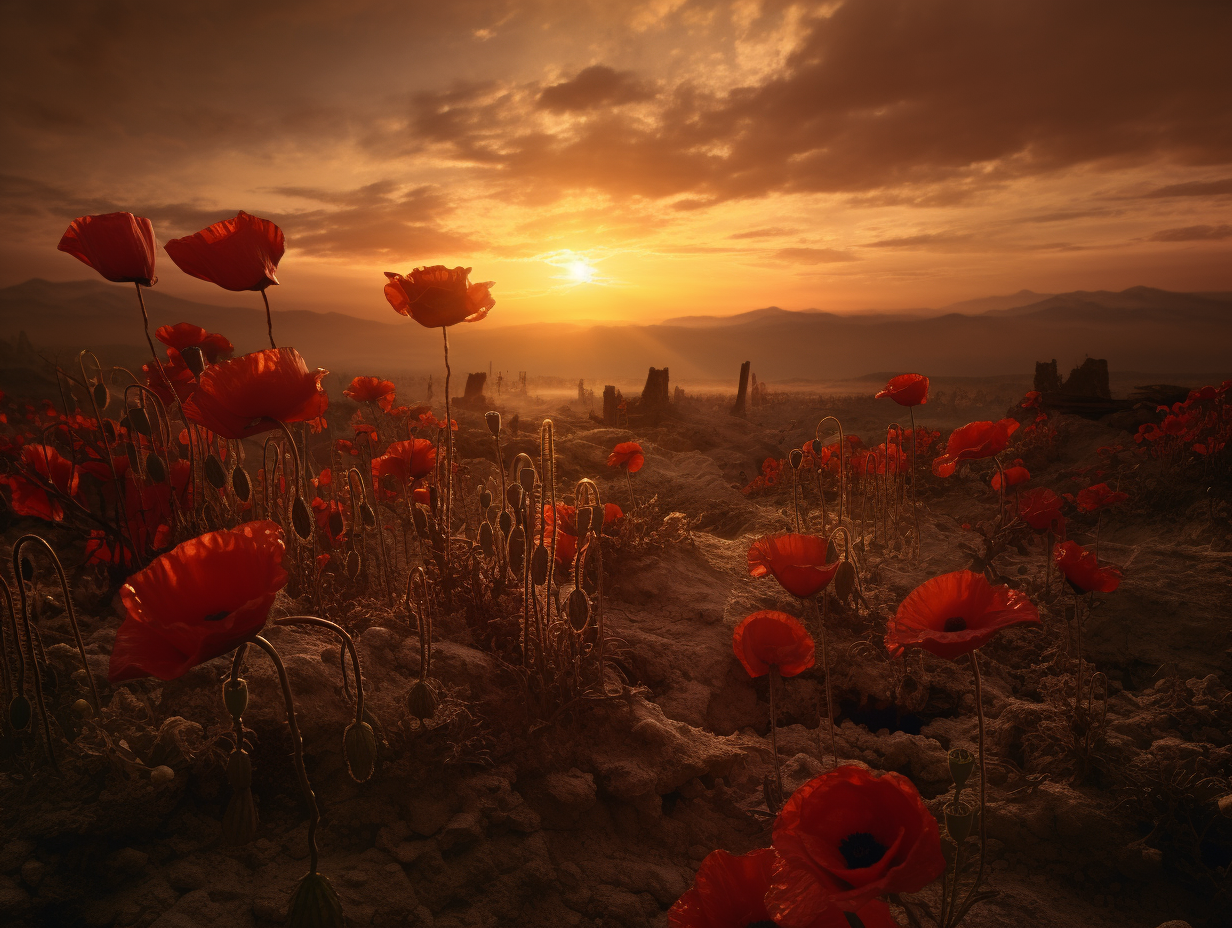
column 979, row 714
column 774, row 737
column 297, row 743
column 269, row 323
column 825, row 662
column 448, row 501
column 347, row 642
column 915, row 509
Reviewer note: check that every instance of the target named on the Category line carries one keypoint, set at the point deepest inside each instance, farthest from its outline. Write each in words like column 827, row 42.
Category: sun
column 580, row 271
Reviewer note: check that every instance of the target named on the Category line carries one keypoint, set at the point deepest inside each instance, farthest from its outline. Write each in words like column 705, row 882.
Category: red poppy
column 324, row 510
column 611, row 514
column 767, row 638
column 99, row 551
column 562, row 521
column 198, row 601
column 1031, row 400
column 906, row 390
column 406, row 460
column 974, row 440
column 798, row 562
column 1099, row 496
column 1040, row 508
column 628, row 454
column 186, row 335
column 1082, row 570
column 30, row 497
column 253, row 393
column 120, row 246
column 371, row 390
column 847, row 837
column 1013, row 477
column 174, row 373
column 956, row 613
column 236, row 254
column 437, row 296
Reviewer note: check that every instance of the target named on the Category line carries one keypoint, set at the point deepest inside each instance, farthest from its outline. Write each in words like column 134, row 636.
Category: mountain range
column 1141, row 329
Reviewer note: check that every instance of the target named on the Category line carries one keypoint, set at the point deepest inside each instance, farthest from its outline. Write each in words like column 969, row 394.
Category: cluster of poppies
column 1201, row 425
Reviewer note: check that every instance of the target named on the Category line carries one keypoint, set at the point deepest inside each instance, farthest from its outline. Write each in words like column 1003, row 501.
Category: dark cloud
column 814, row 255
column 1193, row 234
column 930, row 240
column 1212, row 188
column 763, row 233
column 595, row 87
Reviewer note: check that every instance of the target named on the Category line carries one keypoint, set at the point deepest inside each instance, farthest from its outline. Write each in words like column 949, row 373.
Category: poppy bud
column 140, row 421
column 359, row 748
column 161, row 774
column 514, row 496
column 314, row 904
column 239, row 822
column 517, row 549
column 134, row 460
column 241, row 483
column 434, row 499
column 582, row 517
column 335, row 523
column 421, row 701
column 579, row 609
column 215, row 475
column 102, row 396
column 83, row 709
column 959, row 817
column 367, row 515
column 597, row 515
column 19, row 713
column 235, row 696
column 301, row 518
column 486, row 544
column 795, row 458
column 845, row 581
column 239, row 770
column 27, row 569
column 420, row 518
column 109, row 431
column 155, row 469
column 194, row 357
column 492, row 514
column 493, row 419
column 539, row 565
column 505, row 522
column 353, row 565
column 527, row 478
column 961, row 763
column 485, row 498
column 817, row 447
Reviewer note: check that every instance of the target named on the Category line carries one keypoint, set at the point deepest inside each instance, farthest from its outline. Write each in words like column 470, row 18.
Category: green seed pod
column 155, row 469
column 301, row 518
column 161, row 775
column 493, row 419
column 959, row 817
column 539, row 565
column 583, row 520
column 109, row 431
column 239, row 822
column 817, row 446
column 420, row 518
column 239, row 770
column 526, row 477
column 19, row 713
column 359, row 748
column 579, row 609
column 353, row 565
column 366, row 515
column 961, row 763
column 845, row 581
column 27, row 569
column 485, row 498
column 140, row 421
column 492, row 514
column 596, row 519
column 796, row 458
column 235, row 696
column 194, row 357
column 82, row 709
column 102, row 396
column 215, row 475
column 241, row 483
column 314, row 904
column 486, row 542
column 505, row 522
column 336, row 524
column 421, row 700
column 517, row 549
column 513, row 496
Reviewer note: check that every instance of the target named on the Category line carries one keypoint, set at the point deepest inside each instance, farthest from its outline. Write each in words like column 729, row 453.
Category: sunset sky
column 636, row 160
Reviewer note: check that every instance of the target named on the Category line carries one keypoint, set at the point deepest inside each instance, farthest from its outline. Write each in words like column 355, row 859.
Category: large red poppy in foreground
column 798, row 562
column 236, row 254
column 627, row 454
column 729, row 892
column 1082, row 570
column 438, row 296
column 847, row 837
column 772, row 639
column 253, row 393
column 906, row 390
column 199, row 600
column 956, row 613
column 120, row 246
column 973, row 441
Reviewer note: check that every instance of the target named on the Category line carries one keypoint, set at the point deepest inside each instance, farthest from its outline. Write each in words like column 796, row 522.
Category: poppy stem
column 825, row 664
column 629, row 481
column 1078, row 636
column 915, row 509
column 979, row 714
column 158, row 366
column 774, row 737
column 448, row 501
column 297, row 744
column 269, row 322
column 348, row 643
column 854, row 920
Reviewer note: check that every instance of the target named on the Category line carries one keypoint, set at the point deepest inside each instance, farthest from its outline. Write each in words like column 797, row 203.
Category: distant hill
column 1139, row 329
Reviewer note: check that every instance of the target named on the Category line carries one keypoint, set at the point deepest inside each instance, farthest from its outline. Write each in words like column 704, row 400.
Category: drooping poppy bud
column 314, row 904
column 359, row 748
column 120, row 246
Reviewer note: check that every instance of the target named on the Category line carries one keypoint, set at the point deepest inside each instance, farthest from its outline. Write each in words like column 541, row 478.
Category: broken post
column 739, row 408
column 610, row 405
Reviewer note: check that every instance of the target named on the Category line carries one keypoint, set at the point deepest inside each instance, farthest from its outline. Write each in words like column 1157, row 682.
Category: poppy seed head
column 860, row 849
column 955, row 623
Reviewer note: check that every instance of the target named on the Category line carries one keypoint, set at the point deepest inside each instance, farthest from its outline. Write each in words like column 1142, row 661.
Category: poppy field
column 291, row 650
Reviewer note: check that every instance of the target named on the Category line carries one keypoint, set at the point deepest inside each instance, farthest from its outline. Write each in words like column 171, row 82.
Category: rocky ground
column 487, row 817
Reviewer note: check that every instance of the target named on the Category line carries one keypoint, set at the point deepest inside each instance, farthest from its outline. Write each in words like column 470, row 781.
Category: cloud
column 1197, row 188
column 929, row 240
column 594, row 87
column 814, row 255
column 1193, row 234
column 772, row 232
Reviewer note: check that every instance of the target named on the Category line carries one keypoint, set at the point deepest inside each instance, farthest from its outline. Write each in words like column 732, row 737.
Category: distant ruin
column 1088, row 380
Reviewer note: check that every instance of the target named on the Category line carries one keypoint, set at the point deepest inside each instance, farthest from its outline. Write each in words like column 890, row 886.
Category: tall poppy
column 437, row 296
column 1013, row 477
column 371, row 390
column 1082, row 570
column 729, row 892
column 798, row 562
column 955, row 613
column 1040, row 508
column 906, row 390
column 561, row 520
column 627, row 454
column 186, row 335
column 253, row 393
column 171, row 380
column 120, row 246
column 973, row 441
column 49, row 468
column 198, row 601
column 772, row 639
column 1099, row 496
column 406, row 460
column 236, row 254
column 847, row 837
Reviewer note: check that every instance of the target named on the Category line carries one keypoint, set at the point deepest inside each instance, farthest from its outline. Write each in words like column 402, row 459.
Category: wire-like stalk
column 979, row 714
column 842, row 469
column 825, row 663
column 915, row 508
column 269, row 322
column 448, row 501
column 774, row 737
column 347, row 642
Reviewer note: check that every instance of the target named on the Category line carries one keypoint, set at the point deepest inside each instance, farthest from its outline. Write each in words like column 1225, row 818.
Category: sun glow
column 580, row 271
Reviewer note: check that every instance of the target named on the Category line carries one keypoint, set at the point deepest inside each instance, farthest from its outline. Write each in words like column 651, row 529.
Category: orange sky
column 635, row 161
